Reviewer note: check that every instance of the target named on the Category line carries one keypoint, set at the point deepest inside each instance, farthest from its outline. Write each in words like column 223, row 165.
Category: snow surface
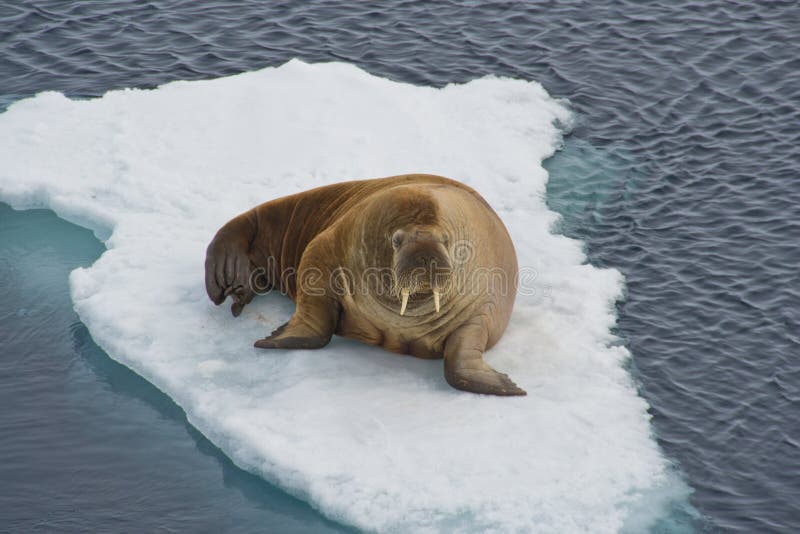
column 370, row 438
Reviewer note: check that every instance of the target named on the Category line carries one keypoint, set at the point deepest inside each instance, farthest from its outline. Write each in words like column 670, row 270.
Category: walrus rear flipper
column 464, row 367
column 228, row 265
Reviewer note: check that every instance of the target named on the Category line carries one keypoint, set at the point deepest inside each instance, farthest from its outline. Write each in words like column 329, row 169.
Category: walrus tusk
column 405, row 302
column 436, row 299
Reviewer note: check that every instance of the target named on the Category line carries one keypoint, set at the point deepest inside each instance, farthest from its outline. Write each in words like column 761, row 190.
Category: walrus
column 417, row 264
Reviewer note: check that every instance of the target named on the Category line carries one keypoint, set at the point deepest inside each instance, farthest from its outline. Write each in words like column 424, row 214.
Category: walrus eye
column 397, row 239
column 445, row 239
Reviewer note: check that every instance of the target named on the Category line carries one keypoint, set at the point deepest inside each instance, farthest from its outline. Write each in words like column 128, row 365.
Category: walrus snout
column 421, row 247
column 431, row 259
column 421, row 263
column 425, row 263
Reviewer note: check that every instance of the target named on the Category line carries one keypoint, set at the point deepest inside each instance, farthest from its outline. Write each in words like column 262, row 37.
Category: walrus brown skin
column 417, row 264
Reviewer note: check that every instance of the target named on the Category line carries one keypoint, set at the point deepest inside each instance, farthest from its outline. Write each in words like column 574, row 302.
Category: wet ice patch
column 370, row 438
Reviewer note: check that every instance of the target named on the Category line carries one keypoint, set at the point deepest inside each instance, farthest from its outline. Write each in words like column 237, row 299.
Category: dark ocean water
column 683, row 172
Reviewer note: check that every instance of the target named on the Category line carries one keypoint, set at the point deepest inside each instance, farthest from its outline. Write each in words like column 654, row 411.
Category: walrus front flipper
column 301, row 332
column 464, row 367
column 315, row 317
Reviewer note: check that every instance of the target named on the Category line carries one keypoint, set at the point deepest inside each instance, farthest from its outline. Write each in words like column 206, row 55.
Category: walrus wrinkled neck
column 285, row 228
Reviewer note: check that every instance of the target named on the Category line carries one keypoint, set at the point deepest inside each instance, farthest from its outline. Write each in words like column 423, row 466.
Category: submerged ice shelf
column 370, row 438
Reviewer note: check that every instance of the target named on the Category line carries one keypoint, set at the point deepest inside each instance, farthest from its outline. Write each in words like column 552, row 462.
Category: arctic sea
column 677, row 135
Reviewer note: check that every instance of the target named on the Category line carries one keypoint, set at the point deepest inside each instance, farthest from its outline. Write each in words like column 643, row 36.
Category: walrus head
column 421, row 262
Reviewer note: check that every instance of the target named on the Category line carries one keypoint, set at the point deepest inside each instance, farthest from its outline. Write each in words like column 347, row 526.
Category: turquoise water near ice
column 87, row 444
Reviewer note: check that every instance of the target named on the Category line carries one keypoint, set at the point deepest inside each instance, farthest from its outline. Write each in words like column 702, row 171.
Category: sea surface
column 682, row 171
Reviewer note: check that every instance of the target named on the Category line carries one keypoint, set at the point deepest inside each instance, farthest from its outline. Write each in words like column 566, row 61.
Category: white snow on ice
column 370, row 438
